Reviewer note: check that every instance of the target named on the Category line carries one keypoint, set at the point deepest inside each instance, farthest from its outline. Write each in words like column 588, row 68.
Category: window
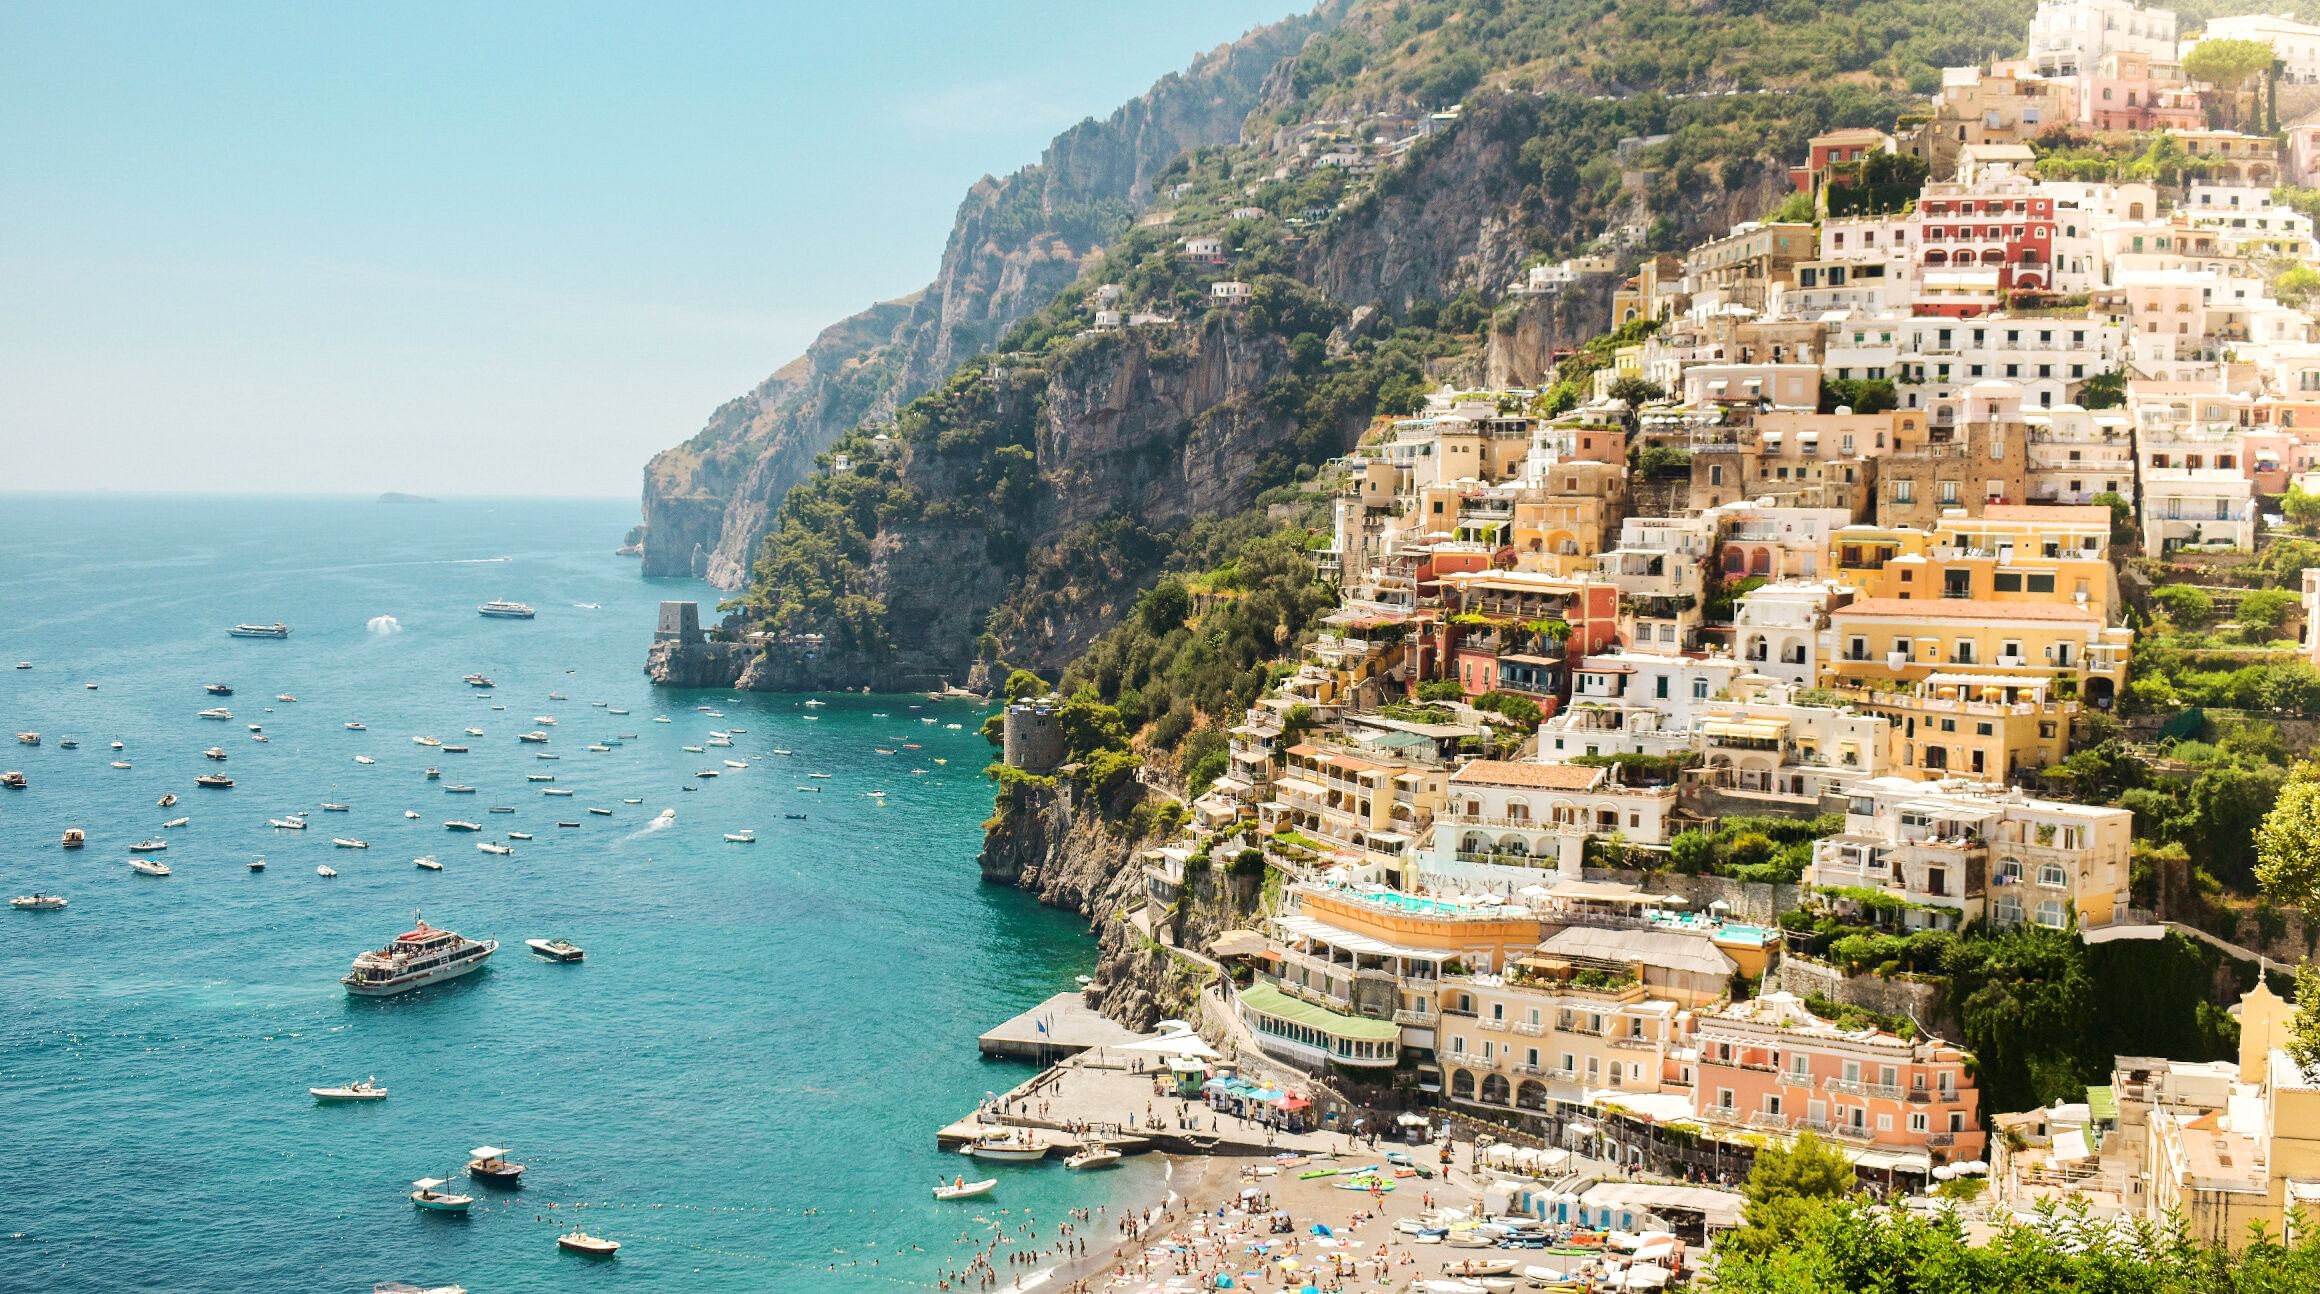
column 1917, row 1121
column 1723, row 1096
column 2053, row 914
column 2041, row 583
column 1949, row 492
column 2053, row 875
column 2006, row 581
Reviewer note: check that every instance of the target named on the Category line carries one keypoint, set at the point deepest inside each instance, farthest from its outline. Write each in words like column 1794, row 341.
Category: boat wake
column 383, row 625
column 666, row 819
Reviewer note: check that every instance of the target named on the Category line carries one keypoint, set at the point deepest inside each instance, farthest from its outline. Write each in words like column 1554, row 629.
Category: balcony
column 1416, row 1019
column 1854, row 1087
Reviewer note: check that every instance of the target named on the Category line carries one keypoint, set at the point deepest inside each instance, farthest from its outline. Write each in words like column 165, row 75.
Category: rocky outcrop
column 1527, row 338
column 1016, row 242
column 703, row 664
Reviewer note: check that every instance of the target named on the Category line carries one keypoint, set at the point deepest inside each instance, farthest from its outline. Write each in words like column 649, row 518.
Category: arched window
column 1461, row 1085
column 1531, row 1095
column 1495, row 1090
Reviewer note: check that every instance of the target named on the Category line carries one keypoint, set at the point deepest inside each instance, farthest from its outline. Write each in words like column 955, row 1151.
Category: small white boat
column 286, row 697
column 431, row 1196
column 364, row 759
column 175, row 822
column 74, row 838
column 735, row 763
column 962, row 1189
column 325, row 872
column 615, row 710
column 426, row 741
column 1096, row 1155
column 742, row 837
column 362, row 1089
column 410, row 813
column 215, row 753
column 695, row 750
column 287, row 824
column 600, row 748
column 258, row 864
column 116, row 745
column 217, row 712
column 148, row 867
column 519, row 835
column 148, row 846
column 37, row 902
column 490, row 847
column 535, row 737
column 601, row 813
column 475, row 732
column 556, row 950
column 428, row 863
column 166, row 800
column 823, row 776
column 120, row 763
column 1473, row 1267
column 356, row 727
column 580, row 1242
column 344, row 843
column 632, row 801
column 539, row 777
column 331, row 807
column 555, row 791
column 660, row 718
column 462, row 824
column 1012, row 1147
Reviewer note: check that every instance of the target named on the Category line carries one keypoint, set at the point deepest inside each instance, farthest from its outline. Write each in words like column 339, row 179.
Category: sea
column 742, row 1081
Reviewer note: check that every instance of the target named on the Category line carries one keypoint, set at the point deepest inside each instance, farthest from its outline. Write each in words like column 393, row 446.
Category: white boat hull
column 420, row 979
column 1008, row 1155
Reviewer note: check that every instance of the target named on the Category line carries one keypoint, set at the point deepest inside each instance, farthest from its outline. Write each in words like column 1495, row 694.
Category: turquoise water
column 742, row 1081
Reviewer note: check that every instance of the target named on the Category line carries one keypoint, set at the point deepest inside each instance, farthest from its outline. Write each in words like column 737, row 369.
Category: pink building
column 2129, row 93
column 1771, row 1064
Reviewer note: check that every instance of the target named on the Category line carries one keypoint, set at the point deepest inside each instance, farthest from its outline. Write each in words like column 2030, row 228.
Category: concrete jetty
column 1103, row 1095
column 1063, row 1025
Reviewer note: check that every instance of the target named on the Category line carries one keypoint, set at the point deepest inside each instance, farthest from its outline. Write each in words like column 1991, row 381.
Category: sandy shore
column 1200, row 1186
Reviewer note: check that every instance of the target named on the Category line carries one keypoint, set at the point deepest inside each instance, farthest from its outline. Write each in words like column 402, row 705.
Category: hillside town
column 1831, row 530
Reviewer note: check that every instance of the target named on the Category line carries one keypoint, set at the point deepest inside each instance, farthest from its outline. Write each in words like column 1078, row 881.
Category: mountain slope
column 710, row 501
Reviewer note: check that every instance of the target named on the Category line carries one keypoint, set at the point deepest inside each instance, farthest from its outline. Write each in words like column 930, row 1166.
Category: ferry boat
column 218, row 689
column 213, row 779
column 37, row 902
column 503, row 610
column 419, row 956
column 274, row 630
column 74, row 838
column 478, row 680
column 217, row 712
column 556, row 950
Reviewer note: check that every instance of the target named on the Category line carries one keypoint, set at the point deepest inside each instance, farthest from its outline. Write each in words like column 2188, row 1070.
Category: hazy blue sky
column 487, row 248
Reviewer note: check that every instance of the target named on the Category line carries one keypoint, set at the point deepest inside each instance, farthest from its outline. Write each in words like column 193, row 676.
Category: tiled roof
column 1552, row 777
column 1963, row 609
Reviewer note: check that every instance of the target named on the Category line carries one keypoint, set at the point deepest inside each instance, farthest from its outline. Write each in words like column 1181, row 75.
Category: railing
column 1419, row 1018
column 1857, row 1088
column 1529, row 1030
column 1495, row 1026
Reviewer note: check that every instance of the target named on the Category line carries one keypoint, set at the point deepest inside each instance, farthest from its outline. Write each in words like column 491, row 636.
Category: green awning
column 2102, row 1104
column 1267, row 1000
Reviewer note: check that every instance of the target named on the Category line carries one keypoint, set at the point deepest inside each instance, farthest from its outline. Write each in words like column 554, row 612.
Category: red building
column 2012, row 233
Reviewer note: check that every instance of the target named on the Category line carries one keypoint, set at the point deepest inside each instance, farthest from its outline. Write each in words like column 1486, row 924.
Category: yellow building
column 1561, row 532
column 1889, row 643
column 1975, row 725
column 2009, row 554
column 1372, row 806
column 2255, row 1159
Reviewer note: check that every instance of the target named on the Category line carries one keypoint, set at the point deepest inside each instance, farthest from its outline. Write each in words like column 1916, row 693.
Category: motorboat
column 567, row 824
column 539, row 777
column 491, row 848
column 735, row 763
column 258, row 864
column 28, row 739
column 37, row 902
column 707, row 772
column 632, row 801
column 428, row 863
column 962, row 1189
column 535, row 737
column 364, row 759
column 357, row 726
column 287, row 824
column 1011, row 1146
column 519, row 835
column 274, row 630
column 601, row 813
column 556, row 950
column 505, row 610
column 343, row 842
column 167, row 798
column 434, row 774
column 820, row 776
column 556, row 791
column 431, row 1196
column 218, row 689
column 148, row 867
column 599, row 748
column 362, row 1089
column 696, row 750
column 1472, row 1267
column 412, row 814
column 426, row 741
column 332, row 806
column 1095, row 1155
column 459, row 788
column 580, row 1242
column 69, row 743
column 545, row 755
column 660, row 718
column 742, row 837
column 285, row 698
column 455, row 750
column 478, row 680
column 325, row 872
column 148, row 846
column 14, row 780
column 216, row 712
column 215, row 781
column 175, row 822
column 417, row 957
column 74, row 838
column 462, row 824
column 798, row 816
column 489, row 1165
column 216, row 754
column 501, row 808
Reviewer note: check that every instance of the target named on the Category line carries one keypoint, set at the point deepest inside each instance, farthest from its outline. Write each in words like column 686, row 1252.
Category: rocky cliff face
column 1017, row 241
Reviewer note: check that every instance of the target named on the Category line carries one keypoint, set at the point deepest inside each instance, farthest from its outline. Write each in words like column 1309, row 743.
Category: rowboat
column 431, row 1197
column 580, row 1242
column 962, row 1189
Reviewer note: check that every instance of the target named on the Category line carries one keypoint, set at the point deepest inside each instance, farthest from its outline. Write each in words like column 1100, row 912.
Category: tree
column 1692, row 852
column 1636, row 392
column 2302, row 510
column 2262, row 612
column 1442, row 689
column 1022, row 685
column 2122, row 517
column 2288, row 842
column 2297, row 285
column 2304, row 1027
column 1788, row 1186
column 2227, row 65
column 2106, row 390
column 2187, row 607
column 1166, row 606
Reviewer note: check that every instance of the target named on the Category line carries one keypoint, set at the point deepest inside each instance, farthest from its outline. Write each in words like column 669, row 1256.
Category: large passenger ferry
column 506, row 610
column 274, row 630
column 418, row 957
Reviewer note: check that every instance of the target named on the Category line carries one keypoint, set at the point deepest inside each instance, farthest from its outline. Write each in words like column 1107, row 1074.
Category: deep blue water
column 742, row 1081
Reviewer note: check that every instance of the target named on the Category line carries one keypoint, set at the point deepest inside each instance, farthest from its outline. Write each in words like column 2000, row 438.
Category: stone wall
column 1744, row 901
column 1925, row 1003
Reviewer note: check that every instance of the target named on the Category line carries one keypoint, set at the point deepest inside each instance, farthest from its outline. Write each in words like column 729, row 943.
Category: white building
column 1639, row 703
column 1777, row 628
column 1660, row 568
column 2075, row 454
column 2071, row 37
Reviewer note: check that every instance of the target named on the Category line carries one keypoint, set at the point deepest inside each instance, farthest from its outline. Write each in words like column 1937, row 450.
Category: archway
column 1495, row 1090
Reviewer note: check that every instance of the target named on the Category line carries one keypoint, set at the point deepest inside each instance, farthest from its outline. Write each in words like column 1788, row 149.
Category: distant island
column 394, row 497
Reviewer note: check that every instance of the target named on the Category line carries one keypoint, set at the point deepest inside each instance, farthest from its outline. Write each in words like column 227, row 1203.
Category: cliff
column 1016, row 241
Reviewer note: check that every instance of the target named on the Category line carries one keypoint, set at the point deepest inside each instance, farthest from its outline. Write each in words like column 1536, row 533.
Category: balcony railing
column 1855, row 1087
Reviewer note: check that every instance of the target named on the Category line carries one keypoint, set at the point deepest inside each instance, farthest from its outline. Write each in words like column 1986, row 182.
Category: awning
column 1268, row 1000
column 1748, row 729
column 1364, row 945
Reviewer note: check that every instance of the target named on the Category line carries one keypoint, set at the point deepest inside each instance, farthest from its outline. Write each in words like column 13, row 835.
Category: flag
column 1042, row 1025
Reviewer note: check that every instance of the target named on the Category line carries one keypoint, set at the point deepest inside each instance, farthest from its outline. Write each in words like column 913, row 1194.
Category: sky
column 511, row 248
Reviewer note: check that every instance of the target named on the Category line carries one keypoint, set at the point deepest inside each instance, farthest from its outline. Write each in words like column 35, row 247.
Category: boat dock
column 1063, row 1025
column 1103, row 1094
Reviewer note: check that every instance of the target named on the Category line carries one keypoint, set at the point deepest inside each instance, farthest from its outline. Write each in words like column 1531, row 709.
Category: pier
column 1103, row 1093
column 1063, row 1025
